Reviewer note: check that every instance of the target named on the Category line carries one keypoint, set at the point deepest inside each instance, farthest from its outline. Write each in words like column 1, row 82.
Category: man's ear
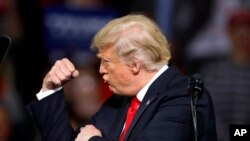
column 135, row 66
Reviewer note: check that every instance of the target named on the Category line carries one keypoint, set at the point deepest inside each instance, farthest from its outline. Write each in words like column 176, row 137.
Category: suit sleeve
column 51, row 117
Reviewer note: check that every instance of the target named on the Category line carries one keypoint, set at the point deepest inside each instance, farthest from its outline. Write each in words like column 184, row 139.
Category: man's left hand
column 87, row 132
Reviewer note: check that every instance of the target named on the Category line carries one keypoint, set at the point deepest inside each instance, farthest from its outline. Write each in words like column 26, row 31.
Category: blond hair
column 135, row 36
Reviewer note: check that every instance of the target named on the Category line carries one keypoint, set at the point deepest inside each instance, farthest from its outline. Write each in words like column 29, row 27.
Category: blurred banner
column 69, row 29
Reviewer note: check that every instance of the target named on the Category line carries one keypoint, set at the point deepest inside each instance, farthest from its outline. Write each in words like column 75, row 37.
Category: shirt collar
column 140, row 95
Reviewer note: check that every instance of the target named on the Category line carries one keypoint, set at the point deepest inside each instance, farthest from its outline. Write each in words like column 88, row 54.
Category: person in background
column 83, row 95
column 150, row 98
column 228, row 77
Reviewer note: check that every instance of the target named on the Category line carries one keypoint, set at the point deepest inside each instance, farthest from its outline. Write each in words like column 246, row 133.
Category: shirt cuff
column 41, row 95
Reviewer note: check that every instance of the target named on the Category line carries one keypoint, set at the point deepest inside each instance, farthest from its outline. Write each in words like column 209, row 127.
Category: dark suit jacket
column 163, row 115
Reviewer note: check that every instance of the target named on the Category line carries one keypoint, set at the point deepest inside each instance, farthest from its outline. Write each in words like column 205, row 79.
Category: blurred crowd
column 210, row 37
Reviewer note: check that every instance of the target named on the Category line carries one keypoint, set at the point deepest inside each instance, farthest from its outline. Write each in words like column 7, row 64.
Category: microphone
column 195, row 90
column 196, row 87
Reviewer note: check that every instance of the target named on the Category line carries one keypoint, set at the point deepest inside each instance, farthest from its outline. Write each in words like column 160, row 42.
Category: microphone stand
column 193, row 108
column 195, row 89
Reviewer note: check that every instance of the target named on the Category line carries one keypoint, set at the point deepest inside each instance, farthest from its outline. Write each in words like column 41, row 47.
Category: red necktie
column 130, row 115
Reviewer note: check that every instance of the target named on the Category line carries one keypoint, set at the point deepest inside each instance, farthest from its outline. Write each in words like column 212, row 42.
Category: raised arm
column 50, row 113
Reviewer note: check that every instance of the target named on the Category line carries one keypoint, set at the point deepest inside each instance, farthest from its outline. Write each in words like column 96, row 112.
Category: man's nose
column 102, row 69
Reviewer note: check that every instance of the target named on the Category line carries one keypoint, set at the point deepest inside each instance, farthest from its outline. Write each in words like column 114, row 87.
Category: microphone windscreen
column 196, row 84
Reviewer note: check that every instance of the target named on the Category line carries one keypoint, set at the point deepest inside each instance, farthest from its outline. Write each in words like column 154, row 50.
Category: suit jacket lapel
column 143, row 106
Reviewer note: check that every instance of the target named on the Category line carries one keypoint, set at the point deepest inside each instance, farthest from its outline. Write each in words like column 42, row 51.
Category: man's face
column 116, row 74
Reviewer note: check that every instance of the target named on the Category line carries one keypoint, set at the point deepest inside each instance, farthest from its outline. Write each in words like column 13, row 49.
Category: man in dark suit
column 135, row 64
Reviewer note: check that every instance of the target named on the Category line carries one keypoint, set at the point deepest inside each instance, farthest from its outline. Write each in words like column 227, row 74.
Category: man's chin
column 112, row 89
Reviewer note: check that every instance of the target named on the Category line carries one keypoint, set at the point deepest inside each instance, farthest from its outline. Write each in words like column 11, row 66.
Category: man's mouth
column 106, row 81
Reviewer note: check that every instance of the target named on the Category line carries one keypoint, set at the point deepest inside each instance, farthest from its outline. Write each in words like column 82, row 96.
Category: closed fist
column 62, row 72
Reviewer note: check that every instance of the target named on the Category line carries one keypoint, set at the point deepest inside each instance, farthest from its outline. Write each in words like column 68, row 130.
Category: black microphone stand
column 195, row 89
